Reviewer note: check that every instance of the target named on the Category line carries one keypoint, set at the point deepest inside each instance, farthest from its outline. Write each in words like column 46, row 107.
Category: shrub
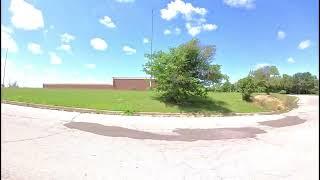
column 283, row 92
column 247, row 87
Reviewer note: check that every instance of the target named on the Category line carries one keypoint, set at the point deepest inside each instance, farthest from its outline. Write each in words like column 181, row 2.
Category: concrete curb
column 157, row 114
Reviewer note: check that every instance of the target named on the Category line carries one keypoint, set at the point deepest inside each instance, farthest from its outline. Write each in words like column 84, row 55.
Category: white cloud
column 125, row 1
column 304, row 44
column 281, row 34
column 54, row 59
column 247, row 4
column 193, row 30
column 166, row 32
column 194, row 17
column 25, row 15
column 65, row 47
column 34, row 48
column 291, row 60
column 187, row 10
column 107, row 21
column 177, row 30
column 146, row 40
column 128, row 50
column 98, row 44
column 7, row 42
column 90, row 66
column 209, row 27
column 67, row 38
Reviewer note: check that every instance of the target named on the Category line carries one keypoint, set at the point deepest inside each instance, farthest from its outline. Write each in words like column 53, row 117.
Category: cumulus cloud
column 187, row 10
column 65, row 47
column 7, row 42
column 25, row 16
column 146, row 40
column 304, row 44
column 128, row 50
column 209, row 27
column 247, row 4
column 54, row 58
column 34, row 48
column 291, row 60
column 98, row 44
column 90, row 66
column 166, row 32
column 107, row 21
column 194, row 30
column 281, row 34
column 67, row 38
column 194, row 17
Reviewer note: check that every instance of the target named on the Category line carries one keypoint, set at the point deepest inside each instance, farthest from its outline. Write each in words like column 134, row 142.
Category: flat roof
column 131, row 78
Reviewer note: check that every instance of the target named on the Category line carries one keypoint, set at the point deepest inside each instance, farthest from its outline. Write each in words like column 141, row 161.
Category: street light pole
column 4, row 67
column 150, row 84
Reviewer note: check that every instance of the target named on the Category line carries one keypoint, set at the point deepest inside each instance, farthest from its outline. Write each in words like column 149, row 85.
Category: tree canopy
column 184, row 71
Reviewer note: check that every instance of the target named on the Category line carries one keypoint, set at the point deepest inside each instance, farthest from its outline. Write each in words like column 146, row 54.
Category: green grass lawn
column 132, row 101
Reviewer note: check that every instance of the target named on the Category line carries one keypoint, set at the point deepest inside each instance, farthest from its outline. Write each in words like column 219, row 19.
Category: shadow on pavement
column 287, row 121
column 183, row 134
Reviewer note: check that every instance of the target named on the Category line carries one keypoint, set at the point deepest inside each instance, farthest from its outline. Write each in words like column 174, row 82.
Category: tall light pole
column 151, row 41
column 4, row 67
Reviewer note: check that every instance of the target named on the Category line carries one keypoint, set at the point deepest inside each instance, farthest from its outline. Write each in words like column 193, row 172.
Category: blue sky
column 78, row 41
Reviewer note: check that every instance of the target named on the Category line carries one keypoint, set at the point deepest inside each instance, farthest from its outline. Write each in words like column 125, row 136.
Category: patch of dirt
column 269, row 102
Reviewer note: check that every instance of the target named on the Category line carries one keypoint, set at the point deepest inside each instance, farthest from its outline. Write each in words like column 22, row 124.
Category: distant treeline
column 267, row 79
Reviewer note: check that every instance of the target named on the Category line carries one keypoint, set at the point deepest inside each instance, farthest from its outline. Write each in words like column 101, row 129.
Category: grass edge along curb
column 159, row 114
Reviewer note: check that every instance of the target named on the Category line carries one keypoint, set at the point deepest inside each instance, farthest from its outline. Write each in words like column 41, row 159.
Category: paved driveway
column 49, row 144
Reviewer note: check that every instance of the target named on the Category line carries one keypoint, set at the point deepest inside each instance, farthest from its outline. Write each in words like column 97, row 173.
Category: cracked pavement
column 51, row 144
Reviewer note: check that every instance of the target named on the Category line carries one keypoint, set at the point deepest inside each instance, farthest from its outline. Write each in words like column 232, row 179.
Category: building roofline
column 131, row 78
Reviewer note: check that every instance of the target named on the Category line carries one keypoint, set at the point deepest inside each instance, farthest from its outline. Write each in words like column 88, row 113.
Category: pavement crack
column 35, row 138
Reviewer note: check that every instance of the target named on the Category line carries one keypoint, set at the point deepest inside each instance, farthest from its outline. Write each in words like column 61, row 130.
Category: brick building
column 121, row 83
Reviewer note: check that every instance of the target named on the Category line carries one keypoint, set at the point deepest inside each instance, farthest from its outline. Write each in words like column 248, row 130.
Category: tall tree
column 184, row 71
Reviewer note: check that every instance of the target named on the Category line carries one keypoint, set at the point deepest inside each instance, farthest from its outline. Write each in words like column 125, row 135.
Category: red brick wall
column 132, row 84
column 79, row 86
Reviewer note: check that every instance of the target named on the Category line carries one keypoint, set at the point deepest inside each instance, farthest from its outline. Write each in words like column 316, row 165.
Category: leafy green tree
column 286, row 83
column 246, row 86
column 184, row 71
column 303, row 83
column 265, row 78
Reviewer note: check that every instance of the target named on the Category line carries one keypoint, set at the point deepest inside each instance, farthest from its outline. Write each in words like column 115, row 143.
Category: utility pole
column 4, row 67
column 151, row 41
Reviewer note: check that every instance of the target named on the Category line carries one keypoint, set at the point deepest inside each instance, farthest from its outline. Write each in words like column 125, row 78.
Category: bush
column 247, row 87
column 283, row 92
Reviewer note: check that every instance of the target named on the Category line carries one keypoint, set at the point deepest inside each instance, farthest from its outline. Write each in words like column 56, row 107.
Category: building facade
column 118, row 83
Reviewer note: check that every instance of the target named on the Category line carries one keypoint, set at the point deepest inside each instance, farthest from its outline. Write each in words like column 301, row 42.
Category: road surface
column 49, row 144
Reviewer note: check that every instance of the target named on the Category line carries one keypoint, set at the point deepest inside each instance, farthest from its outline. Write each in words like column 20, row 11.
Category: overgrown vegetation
column 184, row 72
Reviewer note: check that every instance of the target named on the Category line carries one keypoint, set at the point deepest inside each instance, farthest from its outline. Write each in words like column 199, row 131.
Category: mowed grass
column 127, row 101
